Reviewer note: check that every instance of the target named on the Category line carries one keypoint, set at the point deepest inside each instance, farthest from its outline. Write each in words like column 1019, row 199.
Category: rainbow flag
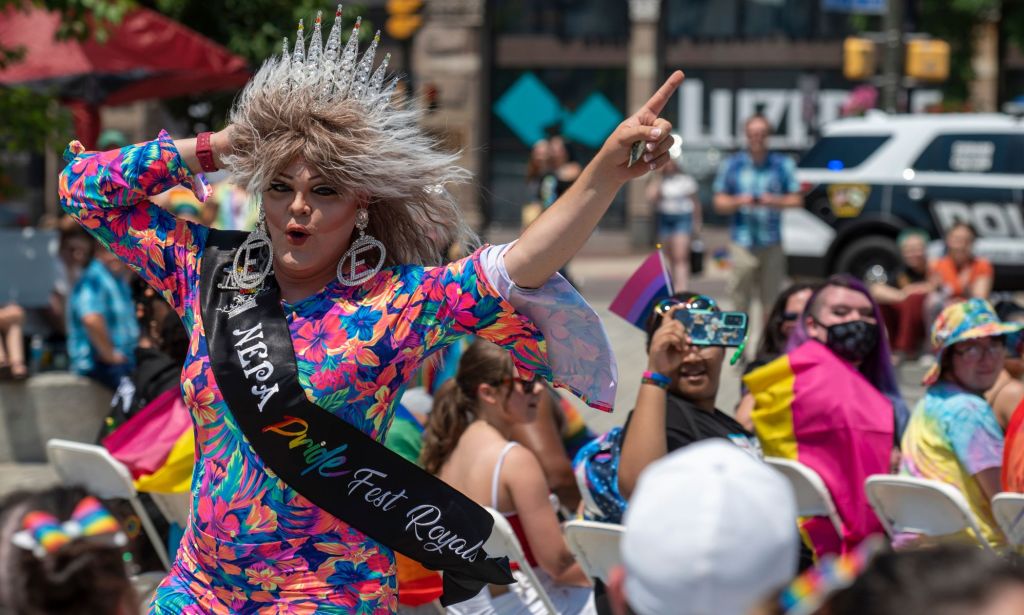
column 648, row 285
column 812, row 407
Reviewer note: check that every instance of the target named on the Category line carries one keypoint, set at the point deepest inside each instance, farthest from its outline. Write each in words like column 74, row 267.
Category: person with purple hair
column 832, row 403
column 829, row 318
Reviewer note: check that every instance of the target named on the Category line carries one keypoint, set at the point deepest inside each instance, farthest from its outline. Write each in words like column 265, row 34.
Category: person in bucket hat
column 953, row 435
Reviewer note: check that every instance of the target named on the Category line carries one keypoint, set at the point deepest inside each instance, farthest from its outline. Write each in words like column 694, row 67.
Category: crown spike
column 362, row 74
column 332, row 73
column 299, row 54
column 315, row 52
column 334, row 38
column 377, row 80
column 348, row 60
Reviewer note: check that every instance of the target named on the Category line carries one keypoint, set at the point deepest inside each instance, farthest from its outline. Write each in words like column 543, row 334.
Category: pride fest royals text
column 424, row 520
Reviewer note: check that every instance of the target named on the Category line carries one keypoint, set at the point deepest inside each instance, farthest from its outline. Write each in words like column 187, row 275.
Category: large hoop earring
column 254, row 258
column 350, row 276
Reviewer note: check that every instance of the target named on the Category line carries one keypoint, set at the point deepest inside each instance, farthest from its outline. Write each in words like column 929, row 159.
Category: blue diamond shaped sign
column 528, row 107
column 593, row 121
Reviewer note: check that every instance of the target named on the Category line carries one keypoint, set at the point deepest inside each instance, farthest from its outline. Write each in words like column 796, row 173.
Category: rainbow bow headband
column 44, row 534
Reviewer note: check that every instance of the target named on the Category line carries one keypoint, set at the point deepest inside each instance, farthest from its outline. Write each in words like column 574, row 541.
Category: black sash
column 324, row 458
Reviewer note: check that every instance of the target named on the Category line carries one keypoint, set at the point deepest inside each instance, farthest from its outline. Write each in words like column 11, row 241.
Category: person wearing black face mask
column 832, row 403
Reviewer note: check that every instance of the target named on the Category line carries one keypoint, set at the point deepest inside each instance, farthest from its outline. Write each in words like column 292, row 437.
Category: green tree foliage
column 953, row 21
column 31, row 118
column 252, row 29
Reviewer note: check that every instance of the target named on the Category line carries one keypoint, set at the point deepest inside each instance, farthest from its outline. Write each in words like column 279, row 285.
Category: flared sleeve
column 550, row 331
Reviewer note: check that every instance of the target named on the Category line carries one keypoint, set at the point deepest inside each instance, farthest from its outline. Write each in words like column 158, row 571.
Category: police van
column 868, row 178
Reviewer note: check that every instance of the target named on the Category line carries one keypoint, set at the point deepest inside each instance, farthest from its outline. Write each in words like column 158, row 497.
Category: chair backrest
column 1008, row 509
column 92, row 467
column 905, row 504
column 812, row 495
column 595, row 546
column 503, row 541
column 95, row 469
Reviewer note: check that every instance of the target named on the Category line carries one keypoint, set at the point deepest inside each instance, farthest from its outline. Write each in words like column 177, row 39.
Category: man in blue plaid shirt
column 754, row 186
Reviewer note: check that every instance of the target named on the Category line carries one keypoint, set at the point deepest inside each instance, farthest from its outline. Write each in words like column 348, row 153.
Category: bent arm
column 981, row 288
column 529, row 494
column 645, row 440
column 96, row 330
column 108, row 194
column 548, row 244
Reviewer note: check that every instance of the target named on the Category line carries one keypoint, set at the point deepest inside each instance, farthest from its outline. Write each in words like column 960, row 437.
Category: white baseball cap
column 709, row 531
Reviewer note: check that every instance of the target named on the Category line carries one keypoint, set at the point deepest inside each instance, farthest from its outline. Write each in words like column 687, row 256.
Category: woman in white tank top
column 466, row 444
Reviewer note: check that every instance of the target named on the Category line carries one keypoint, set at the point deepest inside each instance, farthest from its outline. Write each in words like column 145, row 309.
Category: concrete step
column 48, row 405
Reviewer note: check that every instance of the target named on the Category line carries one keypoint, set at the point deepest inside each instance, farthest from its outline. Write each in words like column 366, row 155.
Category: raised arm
column 108, row 194
column 561, row 231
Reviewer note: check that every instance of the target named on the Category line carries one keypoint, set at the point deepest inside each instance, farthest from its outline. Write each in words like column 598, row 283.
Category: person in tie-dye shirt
column 254, row 544
column 953, row 435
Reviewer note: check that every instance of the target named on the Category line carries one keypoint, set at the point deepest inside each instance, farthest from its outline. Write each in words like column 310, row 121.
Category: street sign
column 866, row 7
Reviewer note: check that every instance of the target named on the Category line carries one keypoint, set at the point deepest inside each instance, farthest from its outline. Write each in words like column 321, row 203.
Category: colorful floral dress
column 254, row 545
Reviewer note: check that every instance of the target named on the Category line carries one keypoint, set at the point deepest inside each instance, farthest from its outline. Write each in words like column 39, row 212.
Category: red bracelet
column 204, row 153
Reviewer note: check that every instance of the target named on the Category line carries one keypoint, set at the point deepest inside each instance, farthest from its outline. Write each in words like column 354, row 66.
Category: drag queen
column 304, row 332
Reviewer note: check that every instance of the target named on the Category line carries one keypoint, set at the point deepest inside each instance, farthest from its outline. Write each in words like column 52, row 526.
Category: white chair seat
column 905, row 504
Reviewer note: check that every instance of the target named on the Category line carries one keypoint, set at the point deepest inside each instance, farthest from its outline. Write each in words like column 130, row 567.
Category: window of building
column 751, row 19
column 599, row 20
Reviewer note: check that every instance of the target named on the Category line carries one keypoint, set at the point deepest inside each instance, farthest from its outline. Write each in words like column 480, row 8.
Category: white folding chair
column 813, row 498
column 93, row 468
column 1008, row 509
column 595, row 546
column 503, row 541
column 905, row 504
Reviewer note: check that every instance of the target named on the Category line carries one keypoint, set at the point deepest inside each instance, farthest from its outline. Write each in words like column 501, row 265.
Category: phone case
column 710, row 328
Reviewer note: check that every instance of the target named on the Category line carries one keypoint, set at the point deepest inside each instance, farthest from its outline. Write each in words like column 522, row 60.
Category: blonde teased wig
column 364, row 146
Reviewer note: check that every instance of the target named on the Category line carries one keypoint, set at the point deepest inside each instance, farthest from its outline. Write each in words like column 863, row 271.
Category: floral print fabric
column 254, row 545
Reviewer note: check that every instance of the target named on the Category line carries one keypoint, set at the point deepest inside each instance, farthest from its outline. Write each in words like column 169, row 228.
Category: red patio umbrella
column 146, row 56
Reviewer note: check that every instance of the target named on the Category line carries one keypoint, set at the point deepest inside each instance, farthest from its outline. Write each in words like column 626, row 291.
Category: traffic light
column 858, row 58
column 928, row 59
column 403, row 21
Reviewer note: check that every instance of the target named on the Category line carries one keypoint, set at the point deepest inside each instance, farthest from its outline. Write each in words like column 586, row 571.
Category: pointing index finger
column 660, row 98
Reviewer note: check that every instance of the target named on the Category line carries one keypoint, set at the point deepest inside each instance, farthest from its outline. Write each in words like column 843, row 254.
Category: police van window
column 972, row 153
column 838, row 153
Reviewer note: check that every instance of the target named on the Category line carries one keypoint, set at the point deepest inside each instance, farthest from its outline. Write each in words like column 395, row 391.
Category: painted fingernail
column 656, row 133
column 650, row 146
column 648, row 157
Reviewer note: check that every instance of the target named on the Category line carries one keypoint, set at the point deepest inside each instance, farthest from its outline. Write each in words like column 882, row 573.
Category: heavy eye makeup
column 321, row 190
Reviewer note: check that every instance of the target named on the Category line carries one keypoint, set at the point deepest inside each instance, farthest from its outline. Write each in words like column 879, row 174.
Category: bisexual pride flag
column 648, row 285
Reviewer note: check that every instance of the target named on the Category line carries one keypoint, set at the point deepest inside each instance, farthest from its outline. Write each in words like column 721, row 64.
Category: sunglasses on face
column 790, row 316
column 527, row 384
